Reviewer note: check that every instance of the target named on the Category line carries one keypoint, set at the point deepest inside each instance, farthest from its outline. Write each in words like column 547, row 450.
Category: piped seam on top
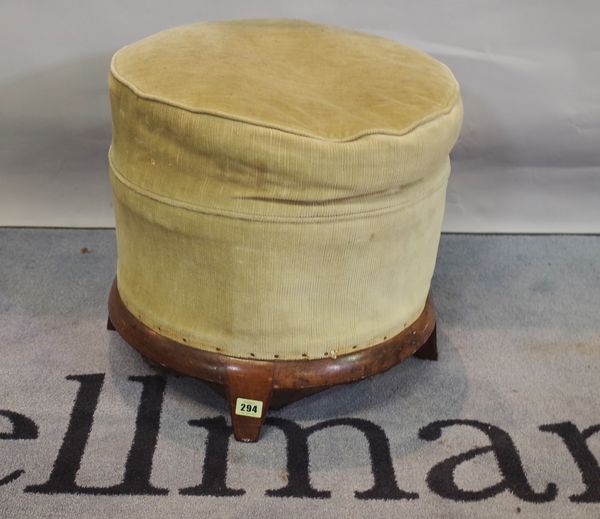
column 451, row 103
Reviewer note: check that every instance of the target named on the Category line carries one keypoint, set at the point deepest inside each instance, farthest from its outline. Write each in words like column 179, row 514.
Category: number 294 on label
column 247, row 407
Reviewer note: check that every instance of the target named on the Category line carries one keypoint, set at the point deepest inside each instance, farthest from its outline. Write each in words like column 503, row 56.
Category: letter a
column 441, row 477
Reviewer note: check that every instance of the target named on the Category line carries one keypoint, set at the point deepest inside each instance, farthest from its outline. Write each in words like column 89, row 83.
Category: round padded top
column 300, row 77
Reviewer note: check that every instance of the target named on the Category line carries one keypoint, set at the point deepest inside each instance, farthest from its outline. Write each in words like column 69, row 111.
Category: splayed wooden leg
column 249, row 395
column 429, row 349
column 109, row 325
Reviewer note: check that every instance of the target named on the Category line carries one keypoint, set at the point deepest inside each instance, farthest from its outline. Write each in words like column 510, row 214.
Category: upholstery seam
column 172, row 202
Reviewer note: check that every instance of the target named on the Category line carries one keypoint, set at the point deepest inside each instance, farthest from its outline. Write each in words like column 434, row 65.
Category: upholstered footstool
column 279, row 188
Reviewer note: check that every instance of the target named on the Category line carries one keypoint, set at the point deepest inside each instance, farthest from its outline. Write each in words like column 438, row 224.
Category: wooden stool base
column 253, row 386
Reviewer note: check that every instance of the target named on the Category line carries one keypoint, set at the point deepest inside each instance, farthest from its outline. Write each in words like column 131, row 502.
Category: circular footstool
column 279, row 189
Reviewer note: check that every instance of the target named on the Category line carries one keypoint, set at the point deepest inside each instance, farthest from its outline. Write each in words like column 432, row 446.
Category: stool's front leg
column 249, row 393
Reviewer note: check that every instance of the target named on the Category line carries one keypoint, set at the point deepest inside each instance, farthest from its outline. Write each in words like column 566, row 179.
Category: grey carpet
column 502, row 425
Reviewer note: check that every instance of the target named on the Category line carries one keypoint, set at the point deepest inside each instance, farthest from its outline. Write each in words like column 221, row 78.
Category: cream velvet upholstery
column 279, row 185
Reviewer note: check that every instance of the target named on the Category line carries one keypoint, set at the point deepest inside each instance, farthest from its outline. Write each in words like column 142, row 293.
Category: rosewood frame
column 274, row 383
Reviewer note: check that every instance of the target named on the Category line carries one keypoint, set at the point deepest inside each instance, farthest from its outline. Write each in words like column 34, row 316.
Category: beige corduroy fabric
column 279, row 185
